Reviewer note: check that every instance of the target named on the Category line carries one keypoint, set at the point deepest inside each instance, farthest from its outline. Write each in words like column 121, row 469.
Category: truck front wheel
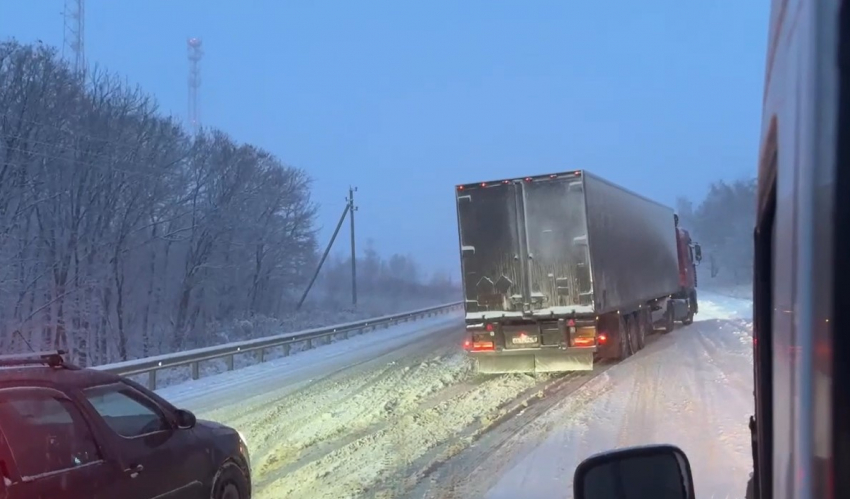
column 692, row 309
column 689, row 319
column 669, row 319
column 633, row 323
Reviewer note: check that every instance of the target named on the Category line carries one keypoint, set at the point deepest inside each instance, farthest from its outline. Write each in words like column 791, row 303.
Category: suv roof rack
column 50, row 358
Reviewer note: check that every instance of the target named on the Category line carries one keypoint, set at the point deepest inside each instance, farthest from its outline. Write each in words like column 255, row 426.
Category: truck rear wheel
column 644, row 327
column 623, row 343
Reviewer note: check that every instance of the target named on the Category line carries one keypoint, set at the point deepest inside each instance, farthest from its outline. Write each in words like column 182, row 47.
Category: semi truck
column 565, row 269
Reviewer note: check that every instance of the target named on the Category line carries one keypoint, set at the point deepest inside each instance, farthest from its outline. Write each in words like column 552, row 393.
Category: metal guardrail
column 228, row 351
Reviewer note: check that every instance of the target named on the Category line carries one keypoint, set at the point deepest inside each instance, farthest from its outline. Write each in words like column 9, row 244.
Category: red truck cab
column 690, row 254
column 687, row 262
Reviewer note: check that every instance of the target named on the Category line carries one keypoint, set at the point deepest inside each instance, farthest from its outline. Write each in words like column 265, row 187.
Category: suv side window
column 45, row 431
column 127, row 412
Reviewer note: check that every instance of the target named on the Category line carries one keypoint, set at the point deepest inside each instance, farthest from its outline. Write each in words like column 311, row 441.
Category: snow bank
column 365, row 443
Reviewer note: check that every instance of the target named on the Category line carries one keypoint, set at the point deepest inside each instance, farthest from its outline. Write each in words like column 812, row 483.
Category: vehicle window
column 125, row 411
column 45, row 433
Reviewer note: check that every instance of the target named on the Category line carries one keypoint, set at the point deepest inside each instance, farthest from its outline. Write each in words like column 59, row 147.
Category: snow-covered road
column 397, row 413
column 692, row 388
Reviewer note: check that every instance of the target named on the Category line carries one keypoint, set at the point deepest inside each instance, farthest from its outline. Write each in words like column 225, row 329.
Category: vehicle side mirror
column 698, row 252
column 657, row 471
column 185, row 419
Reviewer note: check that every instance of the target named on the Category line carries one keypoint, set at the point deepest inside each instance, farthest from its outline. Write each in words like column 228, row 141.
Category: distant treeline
column 723, row 224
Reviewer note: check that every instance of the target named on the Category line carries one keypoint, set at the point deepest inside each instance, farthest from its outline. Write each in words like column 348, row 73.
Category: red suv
column 67, row 432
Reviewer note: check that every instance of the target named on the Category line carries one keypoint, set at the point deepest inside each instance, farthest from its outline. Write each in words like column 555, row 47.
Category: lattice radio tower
column 195, row 55
column 74, row 35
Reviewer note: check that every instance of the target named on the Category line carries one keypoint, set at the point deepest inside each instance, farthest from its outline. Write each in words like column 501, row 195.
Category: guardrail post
column 262, row 355
column 309, row 343
column 152, row 380
column 286, row 348
column 196, row 370
column 229, row 360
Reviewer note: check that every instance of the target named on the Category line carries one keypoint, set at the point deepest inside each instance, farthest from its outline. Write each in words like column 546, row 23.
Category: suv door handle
column 135, row 470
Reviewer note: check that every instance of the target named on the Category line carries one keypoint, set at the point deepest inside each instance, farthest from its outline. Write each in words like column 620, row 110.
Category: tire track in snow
column 456, row 474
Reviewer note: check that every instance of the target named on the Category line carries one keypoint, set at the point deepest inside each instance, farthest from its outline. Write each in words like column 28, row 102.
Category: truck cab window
column 45, row 433
column 127, row 412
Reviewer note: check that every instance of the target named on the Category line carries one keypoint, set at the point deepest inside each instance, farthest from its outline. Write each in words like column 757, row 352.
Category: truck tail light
column 483, row 346
column 584, row 342
column 602, row 339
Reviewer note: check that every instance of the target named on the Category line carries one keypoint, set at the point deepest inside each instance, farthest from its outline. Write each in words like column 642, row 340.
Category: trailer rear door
column 558, row 258
column 492, row 245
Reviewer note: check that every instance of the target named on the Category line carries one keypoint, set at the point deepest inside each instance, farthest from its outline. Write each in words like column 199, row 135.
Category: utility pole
column 324, row 256
column 351, row 209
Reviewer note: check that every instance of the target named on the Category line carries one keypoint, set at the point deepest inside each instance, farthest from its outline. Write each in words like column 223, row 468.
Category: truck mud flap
column 540, row 362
